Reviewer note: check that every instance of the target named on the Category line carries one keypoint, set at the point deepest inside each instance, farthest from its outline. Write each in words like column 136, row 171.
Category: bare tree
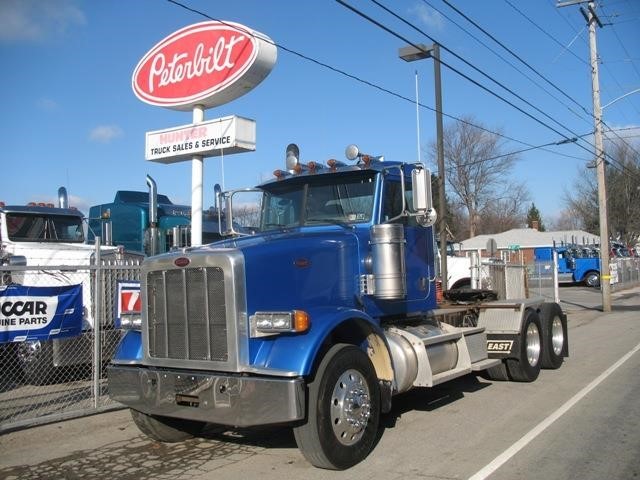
column 507, row 212
column 478, row 177
column 566, row 220
column 581, row 201
column 623, row 195
column 247, row 215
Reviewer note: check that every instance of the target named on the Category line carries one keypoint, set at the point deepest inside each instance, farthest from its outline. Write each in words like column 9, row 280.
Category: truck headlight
column 273, row 323
column 130, row 321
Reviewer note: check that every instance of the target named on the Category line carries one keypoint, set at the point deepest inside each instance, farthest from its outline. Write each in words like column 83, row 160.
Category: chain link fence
column 625, row 273
column 45, row 380
column 511, row 281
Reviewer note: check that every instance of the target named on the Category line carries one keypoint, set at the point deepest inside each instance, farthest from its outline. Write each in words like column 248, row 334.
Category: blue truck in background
column 318, row 317
column 147, row 222
column 576, row 264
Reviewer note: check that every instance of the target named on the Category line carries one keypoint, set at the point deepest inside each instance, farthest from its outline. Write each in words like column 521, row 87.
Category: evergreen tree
column 533, row 215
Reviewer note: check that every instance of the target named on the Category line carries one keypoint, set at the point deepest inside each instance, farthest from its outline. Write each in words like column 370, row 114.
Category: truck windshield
column 323, row 199
column 34, row 227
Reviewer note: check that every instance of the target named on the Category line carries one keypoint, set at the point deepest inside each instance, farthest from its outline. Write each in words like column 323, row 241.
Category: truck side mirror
column 422, row 200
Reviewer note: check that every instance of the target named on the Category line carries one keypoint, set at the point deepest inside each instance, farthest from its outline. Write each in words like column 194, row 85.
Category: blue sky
column 71, row 119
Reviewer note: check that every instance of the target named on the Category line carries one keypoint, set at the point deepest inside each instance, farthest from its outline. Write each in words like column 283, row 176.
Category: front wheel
column 37, row 362
column 526, row 367
column 343, row 410
column 165, row 429
column 592, row 279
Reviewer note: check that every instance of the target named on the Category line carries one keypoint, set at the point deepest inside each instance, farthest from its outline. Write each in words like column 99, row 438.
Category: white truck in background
column 51, row 237
column 458, row 269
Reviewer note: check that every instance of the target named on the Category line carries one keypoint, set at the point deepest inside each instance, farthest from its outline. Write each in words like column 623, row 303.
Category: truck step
column 484, row 364
column 450, row 375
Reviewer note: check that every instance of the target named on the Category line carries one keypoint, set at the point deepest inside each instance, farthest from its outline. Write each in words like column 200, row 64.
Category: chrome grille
column 186, row 314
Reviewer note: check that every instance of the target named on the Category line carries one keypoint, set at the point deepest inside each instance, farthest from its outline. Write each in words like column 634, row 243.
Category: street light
column 412, row 53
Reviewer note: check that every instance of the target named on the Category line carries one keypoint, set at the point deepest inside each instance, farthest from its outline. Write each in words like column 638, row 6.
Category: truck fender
column 302, row 354
column 129, row 349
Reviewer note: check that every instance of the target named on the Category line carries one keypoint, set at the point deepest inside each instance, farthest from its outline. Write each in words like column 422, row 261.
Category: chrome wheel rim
column 533, row 344
column 350, row 407
column 557, row 336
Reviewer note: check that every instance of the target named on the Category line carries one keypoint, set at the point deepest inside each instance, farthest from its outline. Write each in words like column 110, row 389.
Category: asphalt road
column 581, row 421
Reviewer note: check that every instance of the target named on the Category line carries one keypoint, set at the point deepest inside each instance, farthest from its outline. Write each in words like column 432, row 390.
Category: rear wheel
column 166, row 429
column 554, row 333
column 498, row 372
column 344, row 410
column 526, row 367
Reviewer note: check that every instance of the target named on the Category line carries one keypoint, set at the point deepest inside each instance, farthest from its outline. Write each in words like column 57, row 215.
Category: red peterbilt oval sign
column 209, row 64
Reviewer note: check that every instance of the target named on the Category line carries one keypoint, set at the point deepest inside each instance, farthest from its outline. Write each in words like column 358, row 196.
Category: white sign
column 227, row 135
column 26, row 313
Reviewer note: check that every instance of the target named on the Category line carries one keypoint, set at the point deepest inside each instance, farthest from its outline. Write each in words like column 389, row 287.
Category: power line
column 358, row 79
column 624, row 48
column 453, row 69
column 387, row 91
column 523, row 61
column 604, row 64
column 519, row 58
column 515, row 152
column 500, row 56
column 554, row 39
column 388, row 30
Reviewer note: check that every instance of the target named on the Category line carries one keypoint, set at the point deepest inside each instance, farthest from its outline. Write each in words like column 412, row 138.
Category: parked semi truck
column 52, row 239
column 319, row 318
column 147, row 222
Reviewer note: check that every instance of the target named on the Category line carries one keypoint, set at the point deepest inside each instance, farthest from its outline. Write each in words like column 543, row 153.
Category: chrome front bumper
column 221, row 399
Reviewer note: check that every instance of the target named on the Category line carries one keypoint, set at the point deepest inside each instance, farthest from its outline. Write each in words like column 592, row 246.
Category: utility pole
column 605, row 275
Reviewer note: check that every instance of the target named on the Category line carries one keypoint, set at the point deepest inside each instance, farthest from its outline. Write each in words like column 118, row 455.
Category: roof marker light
column 314, row 167
column 280, row 174
column 334, row 164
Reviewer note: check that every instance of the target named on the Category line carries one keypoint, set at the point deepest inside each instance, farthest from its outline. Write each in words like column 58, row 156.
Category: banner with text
column 39, row 313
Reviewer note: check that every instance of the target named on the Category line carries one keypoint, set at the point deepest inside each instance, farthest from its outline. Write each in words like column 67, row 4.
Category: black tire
column 343, row 410
column 554, row 334
column 166, row 429
column 497, row 373
column 526, row 367
column 592, row 279
column 37, row 366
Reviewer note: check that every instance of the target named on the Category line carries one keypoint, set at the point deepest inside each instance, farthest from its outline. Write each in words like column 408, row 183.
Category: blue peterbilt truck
column 319, row 317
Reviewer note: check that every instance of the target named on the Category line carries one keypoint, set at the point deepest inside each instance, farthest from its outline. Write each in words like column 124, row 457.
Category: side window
column 392, row 203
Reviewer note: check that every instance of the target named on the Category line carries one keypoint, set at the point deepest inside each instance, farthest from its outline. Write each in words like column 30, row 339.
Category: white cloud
column 105, row 133
column 428, row 17
column 36, row 20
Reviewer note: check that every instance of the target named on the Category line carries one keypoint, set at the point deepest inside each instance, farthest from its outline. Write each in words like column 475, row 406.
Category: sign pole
column 197, row 167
